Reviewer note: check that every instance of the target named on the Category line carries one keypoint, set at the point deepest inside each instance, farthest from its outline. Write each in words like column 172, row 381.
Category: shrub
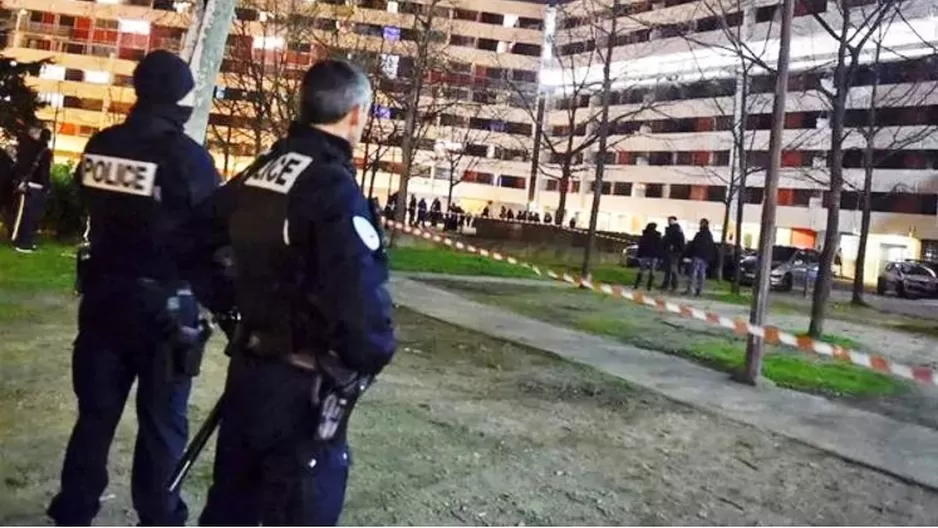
column 63, row 215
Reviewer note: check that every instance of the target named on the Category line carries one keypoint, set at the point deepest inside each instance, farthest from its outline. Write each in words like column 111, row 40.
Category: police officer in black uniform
column 311, row 277
column 141, row 182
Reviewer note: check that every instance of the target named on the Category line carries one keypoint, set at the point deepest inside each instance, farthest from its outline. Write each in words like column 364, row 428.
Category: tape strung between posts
column 771, row 334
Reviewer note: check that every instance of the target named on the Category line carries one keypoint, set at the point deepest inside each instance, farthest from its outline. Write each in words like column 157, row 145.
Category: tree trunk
column 868, row 162
column 755, row 347
column 721, row 252
column 740, row 204
column 601, row 152
column 738, row 164
column 822, row 287
column 564, row 183
column 374, row 175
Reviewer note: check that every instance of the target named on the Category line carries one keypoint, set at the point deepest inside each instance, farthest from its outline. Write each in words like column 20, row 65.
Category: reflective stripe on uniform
column 19, row 216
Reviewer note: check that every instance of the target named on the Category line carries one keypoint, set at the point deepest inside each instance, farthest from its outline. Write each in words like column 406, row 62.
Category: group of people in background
column 670, row 251
column 24, row 187
column 421, row 215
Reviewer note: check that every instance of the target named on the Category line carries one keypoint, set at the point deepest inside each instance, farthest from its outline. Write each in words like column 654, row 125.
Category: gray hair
column 331, row 89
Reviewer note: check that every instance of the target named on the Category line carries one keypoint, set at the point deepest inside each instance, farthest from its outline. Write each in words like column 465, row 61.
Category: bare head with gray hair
column 336, row 97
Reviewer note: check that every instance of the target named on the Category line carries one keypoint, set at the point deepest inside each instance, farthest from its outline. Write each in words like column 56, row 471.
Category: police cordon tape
column 771, row 334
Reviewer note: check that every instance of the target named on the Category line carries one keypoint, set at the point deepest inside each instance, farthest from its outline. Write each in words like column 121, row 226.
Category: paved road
column 925, row 308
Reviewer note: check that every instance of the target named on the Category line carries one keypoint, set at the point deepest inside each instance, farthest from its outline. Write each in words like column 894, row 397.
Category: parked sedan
column 909, row 279
column 789, row 264
column 629, row 256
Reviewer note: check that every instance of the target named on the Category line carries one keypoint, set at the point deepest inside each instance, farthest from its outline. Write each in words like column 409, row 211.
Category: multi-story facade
column 672, row 102
column 674, row 80
column 475, row 124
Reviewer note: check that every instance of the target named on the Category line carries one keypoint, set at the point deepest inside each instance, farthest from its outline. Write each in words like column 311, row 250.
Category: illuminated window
column 136, row 27
column 53, row 72
column 269, row 43
column 97, row 77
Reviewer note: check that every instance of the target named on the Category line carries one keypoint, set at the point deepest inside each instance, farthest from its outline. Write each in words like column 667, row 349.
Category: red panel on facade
column 704, row 124
column 803, row 238
column 791, row 158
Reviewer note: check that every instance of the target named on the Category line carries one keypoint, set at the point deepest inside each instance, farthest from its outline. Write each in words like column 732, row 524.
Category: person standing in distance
column 33, row 167
column 311, row 279
column 141, row 182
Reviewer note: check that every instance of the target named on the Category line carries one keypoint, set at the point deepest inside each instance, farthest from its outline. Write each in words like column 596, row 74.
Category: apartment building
column 673, row 96
column 486, row 55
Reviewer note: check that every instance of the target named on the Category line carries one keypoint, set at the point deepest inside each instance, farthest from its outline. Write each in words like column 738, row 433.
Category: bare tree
column 852, row 29
column 585, row 34
column 266, row 59
column 887, row 140
column 459, row 147
column 420, row 90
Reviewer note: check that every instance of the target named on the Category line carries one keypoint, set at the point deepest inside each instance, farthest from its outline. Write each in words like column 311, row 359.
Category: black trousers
column 270, row 469
column 30, row 206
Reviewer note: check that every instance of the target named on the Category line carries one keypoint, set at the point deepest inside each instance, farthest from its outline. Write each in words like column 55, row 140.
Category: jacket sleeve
column 41, row 173
column 346, row 272
column 200, row 238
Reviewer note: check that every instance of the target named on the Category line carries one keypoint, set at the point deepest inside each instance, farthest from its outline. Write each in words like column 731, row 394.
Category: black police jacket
column 142, row 183
column 311, row 270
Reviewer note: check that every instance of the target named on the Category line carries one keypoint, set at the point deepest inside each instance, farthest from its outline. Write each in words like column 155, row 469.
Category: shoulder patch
column 118, row 174
column 366, row 232
column 278, row 175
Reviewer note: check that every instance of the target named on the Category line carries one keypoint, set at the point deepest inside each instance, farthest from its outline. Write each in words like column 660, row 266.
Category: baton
column 195, row 447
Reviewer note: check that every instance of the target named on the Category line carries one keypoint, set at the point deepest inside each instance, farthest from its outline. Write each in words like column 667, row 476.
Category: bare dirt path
column 465, row 429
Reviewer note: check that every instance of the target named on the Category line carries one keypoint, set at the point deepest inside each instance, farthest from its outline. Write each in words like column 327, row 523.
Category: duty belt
column 251, row 344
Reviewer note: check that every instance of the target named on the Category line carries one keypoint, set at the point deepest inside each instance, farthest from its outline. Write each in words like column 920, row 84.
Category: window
column 461, row 40
column 488, row 44
column 716, row 193
column 654, row 190
column 478, row 177
column 528, row 50
column 622, row 189
column 607, row 187
column 680, row 192
column 530, row 23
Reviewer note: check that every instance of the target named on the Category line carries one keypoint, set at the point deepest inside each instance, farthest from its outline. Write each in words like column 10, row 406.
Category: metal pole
column 204, row 50
column 755, row 347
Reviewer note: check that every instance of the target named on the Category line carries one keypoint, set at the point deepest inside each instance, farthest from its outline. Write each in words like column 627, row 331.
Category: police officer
column 141, row 181
column 311, row 277
column 33, row 165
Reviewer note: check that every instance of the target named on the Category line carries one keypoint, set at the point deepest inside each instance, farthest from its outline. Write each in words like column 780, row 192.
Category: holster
column 183, row 346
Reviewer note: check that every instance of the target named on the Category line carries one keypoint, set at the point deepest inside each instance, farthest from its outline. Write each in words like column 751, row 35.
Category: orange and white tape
column 771, row 334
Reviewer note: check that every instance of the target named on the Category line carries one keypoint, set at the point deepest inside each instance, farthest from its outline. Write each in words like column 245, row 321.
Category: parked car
column 629, row 256
column 789, row 265
column 909, row 279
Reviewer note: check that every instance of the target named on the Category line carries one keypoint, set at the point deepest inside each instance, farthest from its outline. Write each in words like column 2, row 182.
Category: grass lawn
column 460, row 429
column 441, row 260
column 646, row 328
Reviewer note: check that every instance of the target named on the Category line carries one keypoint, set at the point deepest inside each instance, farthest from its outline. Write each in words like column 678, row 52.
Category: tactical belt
column 303, row 360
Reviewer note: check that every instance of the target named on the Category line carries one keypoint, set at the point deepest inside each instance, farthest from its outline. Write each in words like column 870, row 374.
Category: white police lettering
column 279, row 174
column 366, row 232
column 118, row 174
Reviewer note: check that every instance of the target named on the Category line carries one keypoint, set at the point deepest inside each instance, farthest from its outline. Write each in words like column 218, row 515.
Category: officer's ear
column 357, row 116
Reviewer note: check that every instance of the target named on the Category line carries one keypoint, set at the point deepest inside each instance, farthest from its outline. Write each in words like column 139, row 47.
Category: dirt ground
column 463, row 429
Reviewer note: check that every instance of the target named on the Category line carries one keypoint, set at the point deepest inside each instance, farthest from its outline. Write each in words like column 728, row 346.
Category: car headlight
column 777, row 273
